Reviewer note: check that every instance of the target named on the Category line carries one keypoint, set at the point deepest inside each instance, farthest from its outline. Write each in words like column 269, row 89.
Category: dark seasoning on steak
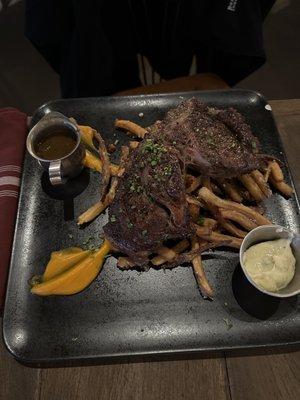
column 150, row 205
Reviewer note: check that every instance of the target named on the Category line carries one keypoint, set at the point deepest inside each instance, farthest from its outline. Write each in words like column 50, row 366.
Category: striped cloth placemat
column 13, row 130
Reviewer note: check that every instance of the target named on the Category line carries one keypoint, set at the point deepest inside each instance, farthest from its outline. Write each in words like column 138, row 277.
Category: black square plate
column 133, row 313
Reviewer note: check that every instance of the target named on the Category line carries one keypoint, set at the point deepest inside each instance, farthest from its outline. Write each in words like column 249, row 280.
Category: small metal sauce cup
column 64, row 168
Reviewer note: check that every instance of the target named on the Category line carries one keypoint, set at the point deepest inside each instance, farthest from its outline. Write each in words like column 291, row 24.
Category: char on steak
column 217, row 143
column 150, row 204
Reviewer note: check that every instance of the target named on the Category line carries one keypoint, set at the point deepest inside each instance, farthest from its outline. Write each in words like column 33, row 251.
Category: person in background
column 93, row 44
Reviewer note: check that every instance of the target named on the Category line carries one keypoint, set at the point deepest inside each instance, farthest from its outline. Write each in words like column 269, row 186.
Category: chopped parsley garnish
column 89, row 244
column 228, row 323
column 201, row 220
column 144, row 232
column 35, row 280
column 168, row 170
column 135, row 187
column 152, row 147
column 155, row 151
column 130, row 225
column 113, row 218
column 87, row 241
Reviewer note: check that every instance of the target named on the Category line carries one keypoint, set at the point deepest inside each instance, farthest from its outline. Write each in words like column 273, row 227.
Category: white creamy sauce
column 271, row 264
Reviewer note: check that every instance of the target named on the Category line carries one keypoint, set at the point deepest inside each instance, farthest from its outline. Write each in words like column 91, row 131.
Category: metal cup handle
column 55, row 173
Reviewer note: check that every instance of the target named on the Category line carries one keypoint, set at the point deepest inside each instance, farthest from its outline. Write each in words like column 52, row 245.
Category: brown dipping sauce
column 54, row 146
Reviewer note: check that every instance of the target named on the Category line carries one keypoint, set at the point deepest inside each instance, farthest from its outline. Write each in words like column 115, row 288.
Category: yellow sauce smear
column 71, row 270
column 62, row 260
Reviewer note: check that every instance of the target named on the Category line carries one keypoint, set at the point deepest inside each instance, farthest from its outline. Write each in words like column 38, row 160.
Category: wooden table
column 251, row 375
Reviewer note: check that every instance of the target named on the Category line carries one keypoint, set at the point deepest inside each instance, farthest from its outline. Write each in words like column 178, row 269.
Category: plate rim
column 134, row 354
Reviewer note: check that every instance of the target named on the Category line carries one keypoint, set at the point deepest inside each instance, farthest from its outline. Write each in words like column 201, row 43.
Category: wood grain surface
column 267, row 376
column 287, row 115
column 272, row 376
column 16, row 381
column 194, row 379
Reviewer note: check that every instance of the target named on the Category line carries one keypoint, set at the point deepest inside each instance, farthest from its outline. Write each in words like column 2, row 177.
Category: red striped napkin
column 13, row 130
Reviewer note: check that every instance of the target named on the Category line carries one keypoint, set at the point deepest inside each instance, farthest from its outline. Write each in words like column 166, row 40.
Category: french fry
column 260, row 180
column 87, row 136
column 114, row 169
column 199, row 273
column 177, row 249
column 267, row 172
column 181, row 246
column 276, row 171
column 228, row 226
column 91, row 213
column 231, row 228
column 125, row 263
column 107, row 195
column 133, row 144
column 93, row 162
column 282, row 187
column 231, row 241
column 124, row 155
column 231, row 189
column 194, row 211
column 240, row 218
column 100, row 206
column 105, row 165
column 216, row 237
column 206, row 223
column 166, row 253
column 210, row 198
column 112, row 191
column 209, row 223
column 189, row 256
column 276, row 178
column 252, row 187
column 123, row 159
column 192, row 200
column 203, row 230
column 192, row 183
column 189, row 180
column 131, row 127
column 206, row 183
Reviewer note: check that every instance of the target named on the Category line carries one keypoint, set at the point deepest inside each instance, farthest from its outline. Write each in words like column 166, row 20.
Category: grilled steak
column 150, row 205
column 218, row 143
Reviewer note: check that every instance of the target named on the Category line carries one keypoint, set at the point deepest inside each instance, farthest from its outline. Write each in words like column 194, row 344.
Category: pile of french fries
column 222, row 211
